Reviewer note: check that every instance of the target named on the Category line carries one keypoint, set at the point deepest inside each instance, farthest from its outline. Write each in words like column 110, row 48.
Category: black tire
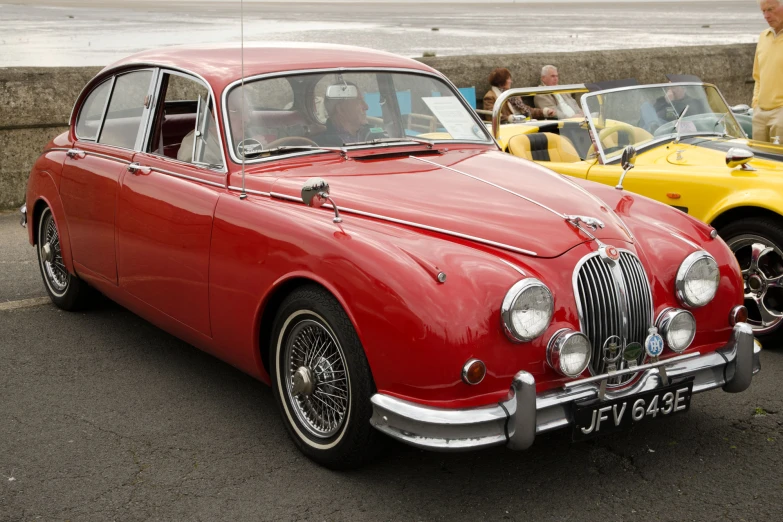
column 65, row 290
column 741, row 235
column 310, row 313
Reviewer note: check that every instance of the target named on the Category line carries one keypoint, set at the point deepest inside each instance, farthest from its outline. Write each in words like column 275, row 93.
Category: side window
column 90, row 115
column 184, row 127
column 126, row 108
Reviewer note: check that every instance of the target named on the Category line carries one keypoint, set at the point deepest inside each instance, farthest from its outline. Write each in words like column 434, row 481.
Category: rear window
column 126, row 108
column 89, row 120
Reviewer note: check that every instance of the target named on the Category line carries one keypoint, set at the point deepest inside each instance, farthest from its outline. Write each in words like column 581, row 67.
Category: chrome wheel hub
column 761, row 263
column 51, row 257
column 317, row 380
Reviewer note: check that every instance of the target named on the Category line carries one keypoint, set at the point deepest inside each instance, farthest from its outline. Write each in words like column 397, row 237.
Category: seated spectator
column 500, row 80
column 564, row 104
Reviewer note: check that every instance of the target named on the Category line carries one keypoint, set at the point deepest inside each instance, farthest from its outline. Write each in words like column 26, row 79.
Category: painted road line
column 24, row 303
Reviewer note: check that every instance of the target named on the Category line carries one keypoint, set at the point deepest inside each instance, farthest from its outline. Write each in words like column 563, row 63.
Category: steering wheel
column 616, row 129
column 291, row 140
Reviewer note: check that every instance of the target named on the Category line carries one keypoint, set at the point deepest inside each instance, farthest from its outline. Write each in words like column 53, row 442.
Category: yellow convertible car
column 687, row 150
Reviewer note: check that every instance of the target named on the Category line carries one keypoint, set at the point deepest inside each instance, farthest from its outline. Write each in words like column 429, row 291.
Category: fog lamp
column 678, row 328
column 569, row 352
column 473, row 372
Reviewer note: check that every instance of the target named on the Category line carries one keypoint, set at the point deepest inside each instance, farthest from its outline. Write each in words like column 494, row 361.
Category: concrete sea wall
column 35, row 103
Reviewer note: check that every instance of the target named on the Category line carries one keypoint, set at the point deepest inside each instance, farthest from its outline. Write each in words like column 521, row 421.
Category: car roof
column 220, row 64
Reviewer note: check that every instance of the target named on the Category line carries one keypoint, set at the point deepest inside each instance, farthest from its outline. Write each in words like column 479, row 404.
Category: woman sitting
column 500, row 80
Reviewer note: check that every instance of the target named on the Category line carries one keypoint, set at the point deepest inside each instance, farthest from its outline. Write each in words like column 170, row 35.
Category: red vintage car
column 338, row 223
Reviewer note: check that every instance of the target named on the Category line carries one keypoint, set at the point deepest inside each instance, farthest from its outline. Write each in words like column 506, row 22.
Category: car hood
column 426, row 189
column 712, row 150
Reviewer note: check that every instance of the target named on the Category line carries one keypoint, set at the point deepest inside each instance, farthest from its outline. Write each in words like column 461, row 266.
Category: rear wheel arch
column 38, row 209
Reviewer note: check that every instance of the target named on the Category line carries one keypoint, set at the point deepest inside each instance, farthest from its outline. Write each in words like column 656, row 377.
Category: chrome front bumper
column 517, row 420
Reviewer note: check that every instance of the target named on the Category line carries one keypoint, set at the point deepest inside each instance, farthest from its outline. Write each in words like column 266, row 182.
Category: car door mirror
column 315, row 192
column 628, row 159
column 739, row 157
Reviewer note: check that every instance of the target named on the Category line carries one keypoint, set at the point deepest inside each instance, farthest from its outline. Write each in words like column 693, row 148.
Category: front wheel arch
column 738, row 213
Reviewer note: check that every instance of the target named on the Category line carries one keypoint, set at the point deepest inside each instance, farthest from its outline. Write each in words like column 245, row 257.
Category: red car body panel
column 185, row 252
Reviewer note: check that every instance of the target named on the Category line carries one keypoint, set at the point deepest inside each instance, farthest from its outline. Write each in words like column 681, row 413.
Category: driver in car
column 347, row 117
column 677, row 96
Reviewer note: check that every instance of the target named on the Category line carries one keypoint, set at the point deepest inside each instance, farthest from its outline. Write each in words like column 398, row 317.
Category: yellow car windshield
column 642, row 115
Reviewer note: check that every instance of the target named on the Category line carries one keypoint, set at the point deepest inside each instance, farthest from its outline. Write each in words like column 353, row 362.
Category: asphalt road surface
column 105, row 417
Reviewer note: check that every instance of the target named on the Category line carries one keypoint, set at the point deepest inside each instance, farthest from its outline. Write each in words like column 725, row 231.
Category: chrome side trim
column 97, row 154
column 345, row 210
column 185, row 176
column 254, row 192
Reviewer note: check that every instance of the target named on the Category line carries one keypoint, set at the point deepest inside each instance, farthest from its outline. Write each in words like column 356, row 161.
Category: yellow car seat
column 543, row 146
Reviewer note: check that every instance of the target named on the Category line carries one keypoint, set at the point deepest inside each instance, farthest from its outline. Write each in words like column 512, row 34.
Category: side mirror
column 315, row 192
column 742, row 108
column 739, row 157
column 628, row 161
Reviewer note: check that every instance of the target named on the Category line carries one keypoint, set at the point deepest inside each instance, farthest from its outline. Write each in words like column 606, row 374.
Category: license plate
column 600, row 417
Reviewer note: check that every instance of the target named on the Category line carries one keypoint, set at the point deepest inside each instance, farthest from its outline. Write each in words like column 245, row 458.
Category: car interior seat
column 543, row 146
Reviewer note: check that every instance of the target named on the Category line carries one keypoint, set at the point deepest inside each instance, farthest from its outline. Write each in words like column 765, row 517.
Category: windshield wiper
column 287, row 148
column 677, row 125
column 379, row 141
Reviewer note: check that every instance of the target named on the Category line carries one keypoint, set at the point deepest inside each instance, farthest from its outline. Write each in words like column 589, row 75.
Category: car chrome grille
column 601, row 310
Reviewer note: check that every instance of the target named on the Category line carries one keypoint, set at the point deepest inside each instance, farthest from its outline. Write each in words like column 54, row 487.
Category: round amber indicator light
column 474, row 371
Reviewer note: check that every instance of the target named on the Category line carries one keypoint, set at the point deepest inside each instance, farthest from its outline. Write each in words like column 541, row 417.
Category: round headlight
column 697, row 279
column 678, row 327
column 569, row 352
column 526, row 310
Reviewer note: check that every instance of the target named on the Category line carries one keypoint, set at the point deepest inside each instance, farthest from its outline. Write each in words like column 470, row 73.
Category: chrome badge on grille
column 609, row 254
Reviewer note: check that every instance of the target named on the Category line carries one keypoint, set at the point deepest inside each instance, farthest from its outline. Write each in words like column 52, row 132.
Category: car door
column 107, row 129
column 167, row 201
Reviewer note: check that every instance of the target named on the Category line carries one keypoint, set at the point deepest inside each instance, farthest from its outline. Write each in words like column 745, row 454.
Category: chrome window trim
column 602, row 156
column 685, row 266
column 299, row 72
column 184, row 73
column 103, row 112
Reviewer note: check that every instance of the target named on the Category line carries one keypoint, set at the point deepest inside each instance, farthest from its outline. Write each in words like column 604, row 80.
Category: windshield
column 338, row 109
column 641, row 115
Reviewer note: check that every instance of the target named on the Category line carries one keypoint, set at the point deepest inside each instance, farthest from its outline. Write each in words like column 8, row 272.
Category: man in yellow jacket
column 768, row 74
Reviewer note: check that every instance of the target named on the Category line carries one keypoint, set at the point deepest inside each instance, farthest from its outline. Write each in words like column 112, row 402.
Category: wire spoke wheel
column 761, row 263
column 316, row 378
column 55, row 275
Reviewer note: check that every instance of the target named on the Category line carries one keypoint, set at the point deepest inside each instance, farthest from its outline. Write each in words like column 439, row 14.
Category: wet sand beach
column 63, row 32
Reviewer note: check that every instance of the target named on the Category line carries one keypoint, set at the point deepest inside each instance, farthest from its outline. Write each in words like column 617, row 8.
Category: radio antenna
column 243, row 195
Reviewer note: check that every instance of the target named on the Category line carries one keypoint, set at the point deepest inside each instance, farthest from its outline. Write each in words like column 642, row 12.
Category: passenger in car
column 347, row 118
column 500, row 80
column 565, row 104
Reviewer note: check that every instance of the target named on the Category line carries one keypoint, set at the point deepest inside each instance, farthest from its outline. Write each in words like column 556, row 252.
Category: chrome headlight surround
column 527, row 295
column 562, row 346
column 671, row 322
column 685, row 275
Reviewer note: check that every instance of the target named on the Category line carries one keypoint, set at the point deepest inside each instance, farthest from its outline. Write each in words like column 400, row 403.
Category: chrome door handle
column 75, row 153
column 137, row 168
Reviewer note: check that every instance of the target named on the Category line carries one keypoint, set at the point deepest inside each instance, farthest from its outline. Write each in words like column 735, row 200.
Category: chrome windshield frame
column 575, row 88
column 602, row 157
column 344, row 70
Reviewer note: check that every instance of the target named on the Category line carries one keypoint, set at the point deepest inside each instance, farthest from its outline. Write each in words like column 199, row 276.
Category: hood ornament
column 591, row 222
